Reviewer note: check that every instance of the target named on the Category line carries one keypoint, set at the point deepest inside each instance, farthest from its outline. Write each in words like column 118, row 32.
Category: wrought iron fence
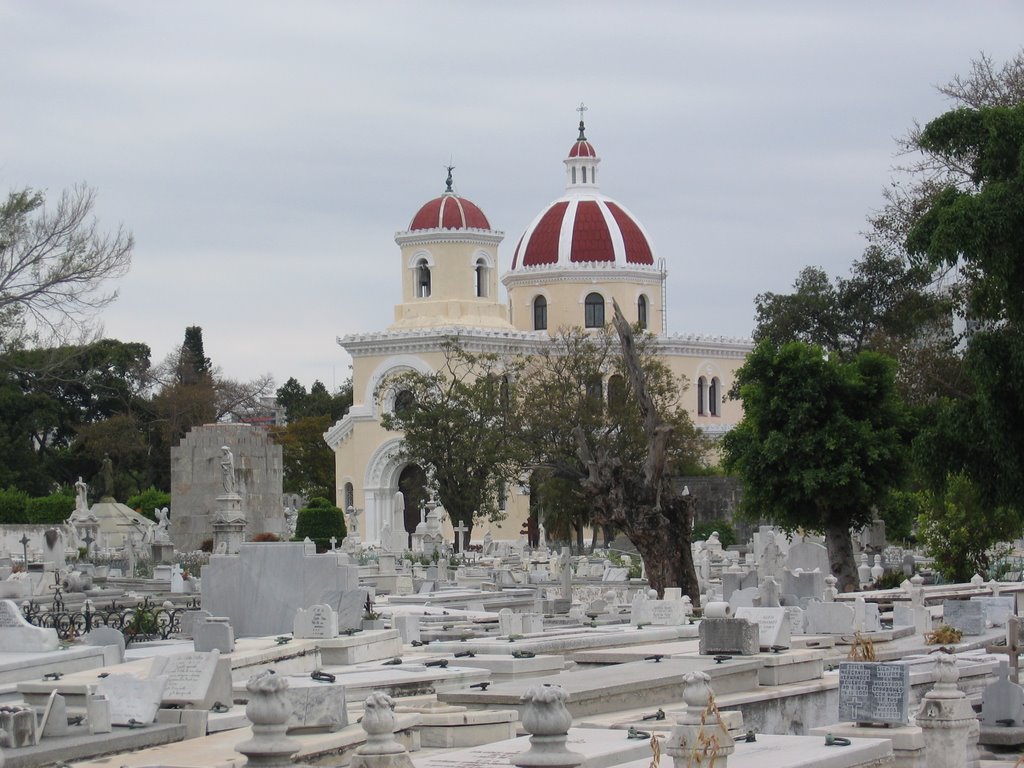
column 143, row 621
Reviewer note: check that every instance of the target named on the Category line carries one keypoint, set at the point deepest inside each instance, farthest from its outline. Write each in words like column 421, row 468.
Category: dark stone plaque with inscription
column 870, row 692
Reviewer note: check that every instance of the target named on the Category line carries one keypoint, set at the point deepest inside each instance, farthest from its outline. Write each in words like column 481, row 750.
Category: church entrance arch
column 412, row 482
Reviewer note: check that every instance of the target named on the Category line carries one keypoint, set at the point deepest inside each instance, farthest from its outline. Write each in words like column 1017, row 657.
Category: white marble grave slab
column 132, row 700
column 829, row 618
column 997, row 609
column 601, row 748
column 316, row 706
column 194, row 680
column 317, row 622
column 773, row 624
column 18, row 636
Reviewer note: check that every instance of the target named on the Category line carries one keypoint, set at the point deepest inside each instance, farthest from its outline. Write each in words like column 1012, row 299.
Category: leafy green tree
column 980, row 226
column 194, row 365
column 951, row 534
column 298, row 403
column 51, row 397
column 460, row 424
column 885, row 305
column 308, row 462
column 821, row 442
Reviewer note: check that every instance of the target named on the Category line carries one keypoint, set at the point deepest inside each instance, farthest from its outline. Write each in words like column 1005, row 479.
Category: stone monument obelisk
column 228, row 518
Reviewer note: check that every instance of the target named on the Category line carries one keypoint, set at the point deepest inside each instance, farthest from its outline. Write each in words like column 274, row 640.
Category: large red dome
column 449, row 211
column 581, row 230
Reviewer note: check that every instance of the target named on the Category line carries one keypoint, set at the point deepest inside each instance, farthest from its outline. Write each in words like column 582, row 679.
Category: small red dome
column 583, row 230
column 582, row 148
column 449, row 211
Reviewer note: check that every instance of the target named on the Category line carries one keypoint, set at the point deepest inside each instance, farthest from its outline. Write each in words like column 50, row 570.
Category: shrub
column 50, row 510
column 889, row 580
column 726, row 533
column 265, row 537
column 13, row 507
column 319, row 521
column 150, row 499
column 206, row 546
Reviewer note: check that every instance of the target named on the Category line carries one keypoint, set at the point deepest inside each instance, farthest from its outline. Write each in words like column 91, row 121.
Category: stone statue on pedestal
column 227, row 469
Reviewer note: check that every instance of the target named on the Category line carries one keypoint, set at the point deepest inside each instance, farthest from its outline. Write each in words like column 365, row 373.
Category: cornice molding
column 426, row 236
column 583, row 272
column 430, row 340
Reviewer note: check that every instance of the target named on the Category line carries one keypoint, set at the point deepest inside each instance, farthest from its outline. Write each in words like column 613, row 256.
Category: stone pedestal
column 380, row 750
column 699, row 738
column 268, row 710
column 228, row 524
column 162, row 552
column 947, row 719
column 548, row 719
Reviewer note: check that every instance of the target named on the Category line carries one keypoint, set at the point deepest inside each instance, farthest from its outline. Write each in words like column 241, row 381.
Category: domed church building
column 578, row 254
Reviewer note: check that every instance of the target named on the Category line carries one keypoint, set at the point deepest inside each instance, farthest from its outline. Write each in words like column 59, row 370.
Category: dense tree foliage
column 308, row 461
column 461, row 426
column 951, row 532
column 821, row 442
column 980, row 228
column 946, row 242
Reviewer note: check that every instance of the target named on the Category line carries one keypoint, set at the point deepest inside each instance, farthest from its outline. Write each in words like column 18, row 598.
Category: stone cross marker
column 460, row 531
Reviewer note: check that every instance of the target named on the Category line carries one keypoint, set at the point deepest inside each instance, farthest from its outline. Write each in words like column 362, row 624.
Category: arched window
column 481, row 278
column 574, row 174
column 593, row 175
column 350, row 496
column 422, row 279
column 641, row 312
column 584, row 174
column 616, row 393
column 702, row 386
column 540, row 314
column 713, row 396
column 404, row 401
column 593, row 311
column 595, row 391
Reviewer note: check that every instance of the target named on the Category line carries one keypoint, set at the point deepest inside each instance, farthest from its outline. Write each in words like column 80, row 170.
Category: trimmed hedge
column 319, row 521
column 13, row 507
column 50, row 510
column 18, row 508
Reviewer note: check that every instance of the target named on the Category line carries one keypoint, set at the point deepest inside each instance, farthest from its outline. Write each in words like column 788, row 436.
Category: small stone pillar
column 228, row 524
column 547, row 719
column 699, row 738
column 268, row 710
column 946, row 718
column 381, row 750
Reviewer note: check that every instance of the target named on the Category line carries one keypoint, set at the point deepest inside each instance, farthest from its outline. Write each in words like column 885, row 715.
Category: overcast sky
column 265, row 153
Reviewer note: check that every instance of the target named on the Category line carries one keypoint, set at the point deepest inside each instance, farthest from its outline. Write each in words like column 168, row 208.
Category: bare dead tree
column 54, row 262
column 643, row 501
